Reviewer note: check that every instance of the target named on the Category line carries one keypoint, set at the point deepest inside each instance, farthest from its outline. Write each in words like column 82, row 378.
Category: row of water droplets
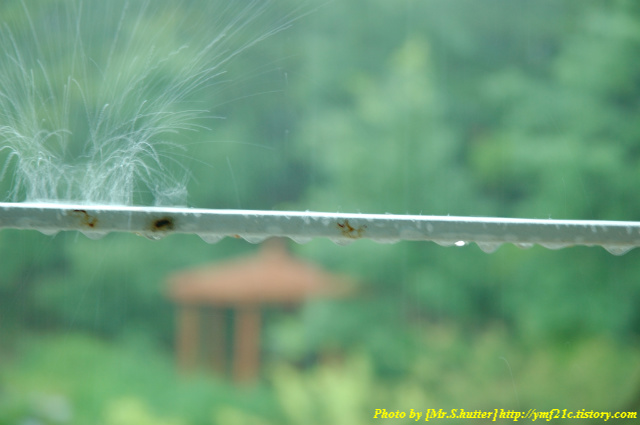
column 487, row 247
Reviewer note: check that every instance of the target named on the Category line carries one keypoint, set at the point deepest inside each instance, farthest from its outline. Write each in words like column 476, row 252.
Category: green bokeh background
column 506, row 108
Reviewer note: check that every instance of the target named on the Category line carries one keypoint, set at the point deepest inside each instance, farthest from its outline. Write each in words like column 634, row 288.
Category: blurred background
column 507, row 108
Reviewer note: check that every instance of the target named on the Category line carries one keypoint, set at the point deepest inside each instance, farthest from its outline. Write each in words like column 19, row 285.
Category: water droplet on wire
column 301, row 239
column 489, row 247
column 209, row 238
column 618, row 250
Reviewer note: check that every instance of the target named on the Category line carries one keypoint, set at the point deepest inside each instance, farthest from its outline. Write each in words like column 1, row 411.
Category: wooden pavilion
column 244, row 285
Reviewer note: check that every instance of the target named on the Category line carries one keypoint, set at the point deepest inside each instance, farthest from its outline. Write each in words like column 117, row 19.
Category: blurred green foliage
column 73, row 379
column 495, row 108
column 131, row 381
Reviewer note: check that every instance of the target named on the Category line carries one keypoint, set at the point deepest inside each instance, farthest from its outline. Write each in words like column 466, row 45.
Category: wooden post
column 218, row 341
column 188, row 336
column 247, row 338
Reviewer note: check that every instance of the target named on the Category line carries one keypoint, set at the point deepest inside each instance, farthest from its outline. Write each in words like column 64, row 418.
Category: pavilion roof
column 272, row 276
